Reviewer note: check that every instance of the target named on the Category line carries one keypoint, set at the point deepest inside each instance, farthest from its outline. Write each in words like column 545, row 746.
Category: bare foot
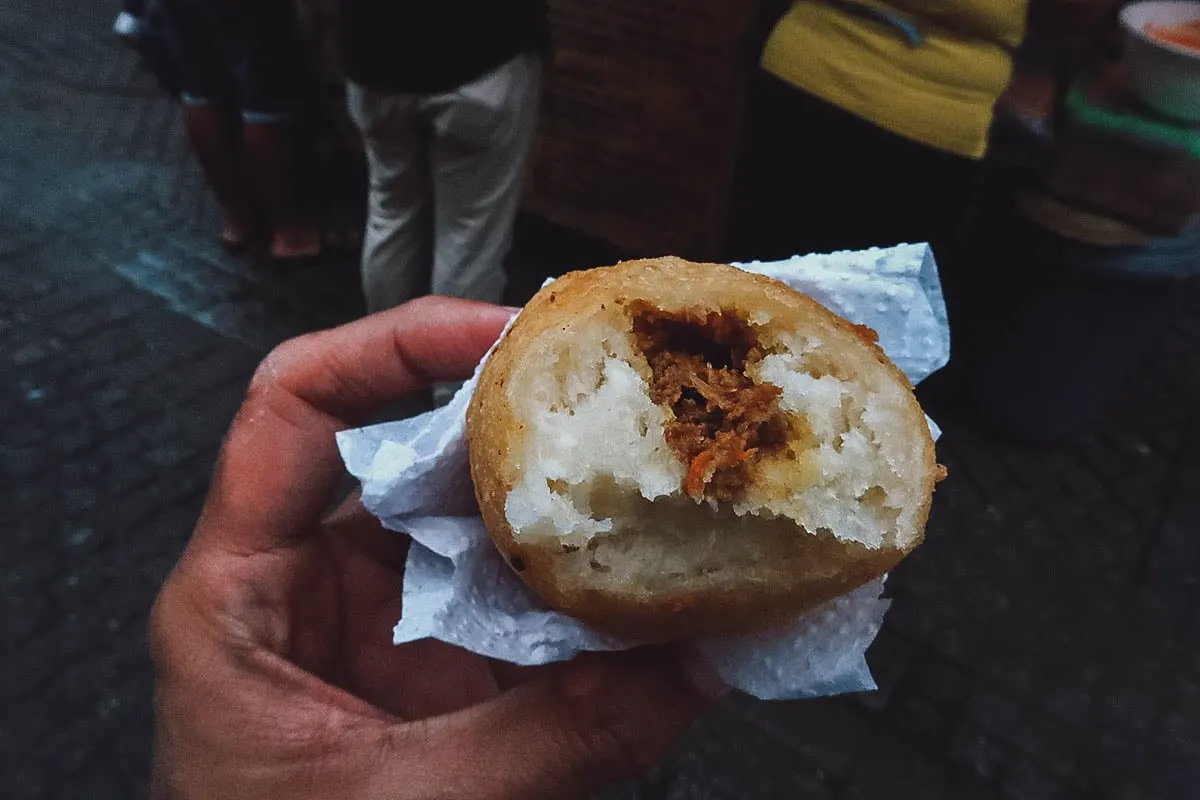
column 291, row 243
column 236, row 234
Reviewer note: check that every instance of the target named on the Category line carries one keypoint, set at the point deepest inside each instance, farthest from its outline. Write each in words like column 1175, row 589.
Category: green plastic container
column 1118, row 158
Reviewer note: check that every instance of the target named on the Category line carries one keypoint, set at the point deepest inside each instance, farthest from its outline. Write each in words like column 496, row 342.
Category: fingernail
column 512, row 310
column 702, row 678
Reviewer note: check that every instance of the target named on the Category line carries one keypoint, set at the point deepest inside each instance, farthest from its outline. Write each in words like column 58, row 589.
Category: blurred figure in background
column 446, row 97
column 867, row 126
column 867, row 122
column 242, row 75
column 1087, row 235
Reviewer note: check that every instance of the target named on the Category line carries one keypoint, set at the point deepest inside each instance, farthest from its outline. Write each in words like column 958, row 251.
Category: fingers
column 361, row 529
column 280, row 464
column 598, row 719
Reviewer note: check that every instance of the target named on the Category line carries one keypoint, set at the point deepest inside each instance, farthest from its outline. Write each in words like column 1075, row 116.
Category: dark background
column 1043, row 643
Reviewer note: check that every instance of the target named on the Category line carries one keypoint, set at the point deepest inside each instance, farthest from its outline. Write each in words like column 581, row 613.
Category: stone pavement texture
column 1043, row 643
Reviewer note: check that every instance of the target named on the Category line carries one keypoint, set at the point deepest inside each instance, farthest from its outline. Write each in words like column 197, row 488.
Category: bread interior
column 601, row 480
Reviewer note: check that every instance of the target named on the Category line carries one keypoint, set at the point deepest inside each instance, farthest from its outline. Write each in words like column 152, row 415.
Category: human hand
column 276, row 676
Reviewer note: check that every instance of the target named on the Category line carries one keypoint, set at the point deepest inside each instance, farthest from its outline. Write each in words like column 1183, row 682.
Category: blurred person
column 867, row 122
column 276, row 675
column 1086, row 238
column 246, row 60
column 446, row 98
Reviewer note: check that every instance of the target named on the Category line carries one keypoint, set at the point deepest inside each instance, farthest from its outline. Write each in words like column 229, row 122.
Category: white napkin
column 415, row 478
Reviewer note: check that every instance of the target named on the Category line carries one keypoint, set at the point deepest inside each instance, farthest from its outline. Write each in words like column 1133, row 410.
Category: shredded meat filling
column 722, row 418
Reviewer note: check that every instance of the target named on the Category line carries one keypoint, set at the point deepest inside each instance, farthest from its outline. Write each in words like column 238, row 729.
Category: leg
column 482, row 133
column 265, row 60
column 814, row 178
column 210, row 133
column 267, row 151
column 397, row 246
column 795, row 191
column 764, row 220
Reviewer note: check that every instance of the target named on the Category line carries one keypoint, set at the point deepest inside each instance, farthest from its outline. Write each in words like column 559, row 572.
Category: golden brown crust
column 819, row 568
column 809, row 569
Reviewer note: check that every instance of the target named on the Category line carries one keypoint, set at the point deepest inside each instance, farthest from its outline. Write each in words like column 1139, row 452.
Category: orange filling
column 721, row 418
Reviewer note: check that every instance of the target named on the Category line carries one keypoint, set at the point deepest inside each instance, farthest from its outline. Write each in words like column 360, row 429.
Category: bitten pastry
column 667, row 450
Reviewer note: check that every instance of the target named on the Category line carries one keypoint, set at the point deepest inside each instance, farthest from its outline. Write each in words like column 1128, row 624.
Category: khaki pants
column 445, row 183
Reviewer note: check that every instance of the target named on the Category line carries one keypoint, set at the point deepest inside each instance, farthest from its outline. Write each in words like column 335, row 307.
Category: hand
column 276, row 676
column 1030, row 95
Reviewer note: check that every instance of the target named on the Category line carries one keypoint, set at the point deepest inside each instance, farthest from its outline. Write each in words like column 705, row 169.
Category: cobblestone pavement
column 1043, row 643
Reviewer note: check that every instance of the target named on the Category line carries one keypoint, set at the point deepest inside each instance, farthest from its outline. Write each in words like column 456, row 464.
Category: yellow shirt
column 940, row 93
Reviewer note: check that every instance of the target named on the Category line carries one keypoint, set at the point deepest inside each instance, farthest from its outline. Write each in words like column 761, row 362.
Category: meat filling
column 722, row 420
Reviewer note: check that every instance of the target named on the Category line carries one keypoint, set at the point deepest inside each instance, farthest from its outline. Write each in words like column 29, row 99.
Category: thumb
column 598, row 719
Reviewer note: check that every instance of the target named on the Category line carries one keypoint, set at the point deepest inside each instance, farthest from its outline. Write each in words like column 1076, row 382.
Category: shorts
column 247, row 54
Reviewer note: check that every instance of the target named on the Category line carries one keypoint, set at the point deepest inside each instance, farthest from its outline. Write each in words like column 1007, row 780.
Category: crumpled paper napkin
column 415, row 478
